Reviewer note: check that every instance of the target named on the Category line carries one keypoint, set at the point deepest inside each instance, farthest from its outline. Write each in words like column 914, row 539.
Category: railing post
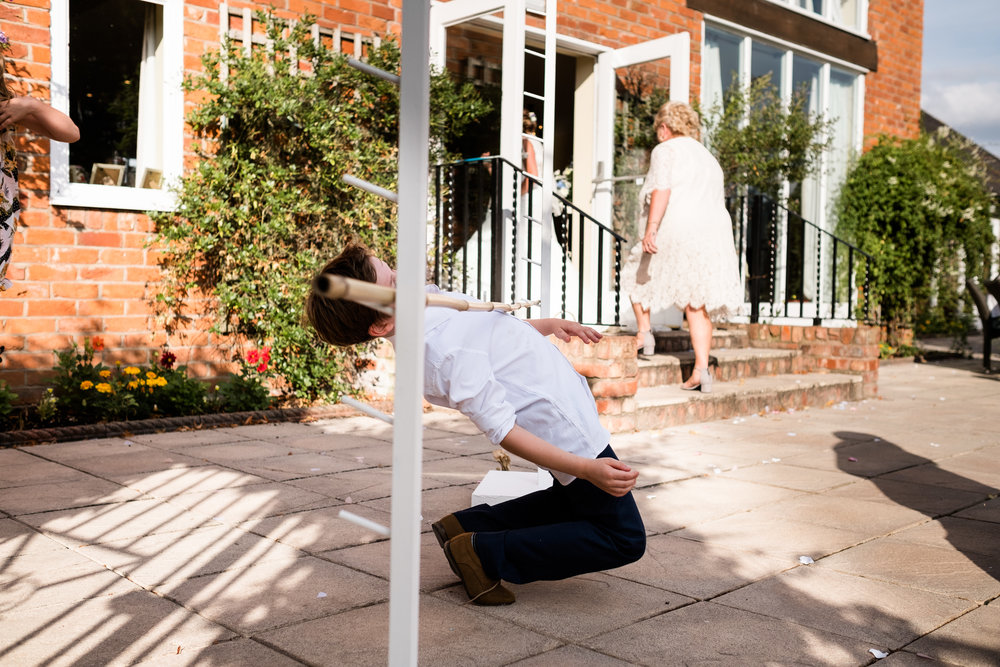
column 497, row 233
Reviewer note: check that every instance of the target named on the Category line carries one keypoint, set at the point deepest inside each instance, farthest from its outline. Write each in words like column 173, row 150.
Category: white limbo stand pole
column 411, row 271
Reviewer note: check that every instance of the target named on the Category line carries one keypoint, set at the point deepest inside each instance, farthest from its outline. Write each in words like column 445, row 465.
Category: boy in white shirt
column 519, row 389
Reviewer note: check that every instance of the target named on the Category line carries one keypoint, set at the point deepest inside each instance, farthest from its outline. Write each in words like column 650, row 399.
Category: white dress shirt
column 498, row 370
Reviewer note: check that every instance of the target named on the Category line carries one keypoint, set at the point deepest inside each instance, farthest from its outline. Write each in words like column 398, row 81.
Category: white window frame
column 86, row 195
column 861, row 19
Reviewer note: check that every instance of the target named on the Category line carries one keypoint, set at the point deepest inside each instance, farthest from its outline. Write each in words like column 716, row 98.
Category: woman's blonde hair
column 680, row 118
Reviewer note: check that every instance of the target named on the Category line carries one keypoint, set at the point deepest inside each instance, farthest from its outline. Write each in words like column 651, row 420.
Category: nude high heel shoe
column 704, row 382
column 648, row 343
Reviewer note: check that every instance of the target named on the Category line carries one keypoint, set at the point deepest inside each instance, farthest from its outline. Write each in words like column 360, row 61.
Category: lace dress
column 10, row 206
column 696, row 260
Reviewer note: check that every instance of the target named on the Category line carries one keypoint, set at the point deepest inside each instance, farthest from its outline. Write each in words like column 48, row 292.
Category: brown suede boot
column 465, row 562
column 447, row 528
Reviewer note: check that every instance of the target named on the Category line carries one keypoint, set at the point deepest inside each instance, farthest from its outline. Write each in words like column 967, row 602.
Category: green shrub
column 246, row 391
column 266, row 205
column 921, row 208
column 7, row 399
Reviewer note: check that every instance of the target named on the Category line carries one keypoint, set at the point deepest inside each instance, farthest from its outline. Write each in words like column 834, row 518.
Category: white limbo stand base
column 502, row 485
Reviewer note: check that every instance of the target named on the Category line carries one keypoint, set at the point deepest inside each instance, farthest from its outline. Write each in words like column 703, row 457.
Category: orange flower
column 97, row 343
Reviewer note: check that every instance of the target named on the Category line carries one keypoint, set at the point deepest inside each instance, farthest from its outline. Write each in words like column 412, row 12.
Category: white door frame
column 675, row 47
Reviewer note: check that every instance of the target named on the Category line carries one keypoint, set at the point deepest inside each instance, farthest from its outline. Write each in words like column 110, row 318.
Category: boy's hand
column 564, row 330
column 611, row 476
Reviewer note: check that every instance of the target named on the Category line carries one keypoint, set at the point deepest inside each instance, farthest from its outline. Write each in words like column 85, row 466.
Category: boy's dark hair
column 339, row 321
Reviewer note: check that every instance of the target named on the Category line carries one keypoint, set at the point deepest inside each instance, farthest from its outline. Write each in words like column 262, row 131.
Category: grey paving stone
column 117, row 629
column 434, row 503
column 940, row 570
column 932, row 500
column 987, row 511
column 965, row 535
column 234, row 653
column 83, row 449
column 693, row 501
column 706, row 632
column 379, row 456
column 296, row 466
column 461, row 444
column 276, row 593
column 450, row 634
column 774, row 535
column 696, row 569
column 776, row 473
column 55, row 578
column 571, row 655
column 235, row 454
column 237, row 504
column 17, row 539
column 106, row 523
column 556, row 608
column 854, row 606
column 971, row 640
column 845, row 513
column 136, row 460
column 354, row 485
column 170, row 557
column 179, row 440
column 175, row 481
column 61, row 495
column 31, row 470
column 374, row 559
column 315, row 531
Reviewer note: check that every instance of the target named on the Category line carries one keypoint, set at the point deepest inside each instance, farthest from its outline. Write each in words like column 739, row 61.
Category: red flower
column 97, row 343
column 262, row 367
column 167, row 360
column 253, row 357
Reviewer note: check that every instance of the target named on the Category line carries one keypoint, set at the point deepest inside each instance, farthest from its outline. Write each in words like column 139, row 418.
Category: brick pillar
column 612, row 371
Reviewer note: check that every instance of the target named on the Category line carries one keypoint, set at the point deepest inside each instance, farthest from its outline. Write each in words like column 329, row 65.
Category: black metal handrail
column 820, row 276
column 485, row 218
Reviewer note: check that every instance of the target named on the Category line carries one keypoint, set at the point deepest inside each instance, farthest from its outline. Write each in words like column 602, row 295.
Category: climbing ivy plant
column 922, row 208
column 265, row 206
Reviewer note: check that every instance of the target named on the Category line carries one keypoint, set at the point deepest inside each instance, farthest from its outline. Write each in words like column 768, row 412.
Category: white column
column 407, row 442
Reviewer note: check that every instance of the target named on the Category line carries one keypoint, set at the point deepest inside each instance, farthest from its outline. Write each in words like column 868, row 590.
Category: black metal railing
column 487, row 242
column 795, row 269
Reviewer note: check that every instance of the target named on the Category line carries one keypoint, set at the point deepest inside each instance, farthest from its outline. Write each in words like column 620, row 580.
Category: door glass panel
column 641, row 91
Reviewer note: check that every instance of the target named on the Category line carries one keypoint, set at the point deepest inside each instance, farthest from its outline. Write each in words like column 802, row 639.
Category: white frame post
column 407, row 441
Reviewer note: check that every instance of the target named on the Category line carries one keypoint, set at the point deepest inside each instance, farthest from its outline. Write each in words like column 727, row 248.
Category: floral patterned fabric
column 10, row 206
column 696, row 261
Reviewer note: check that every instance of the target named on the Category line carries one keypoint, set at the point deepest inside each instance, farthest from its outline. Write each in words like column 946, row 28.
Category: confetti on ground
column 650, row 497
column 791, row 434
column 806, row 560
column 321, row 595
column 934, row 444
column 852, row 459
column 313, row 469
column 877, row 653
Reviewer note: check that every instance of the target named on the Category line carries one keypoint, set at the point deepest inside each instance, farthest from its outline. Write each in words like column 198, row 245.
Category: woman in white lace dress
column 40, row 119
column 687, row 256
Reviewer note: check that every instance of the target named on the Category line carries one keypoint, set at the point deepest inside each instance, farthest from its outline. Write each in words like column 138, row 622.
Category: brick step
column 660, row 407
column 728, row 365
column 679, row 340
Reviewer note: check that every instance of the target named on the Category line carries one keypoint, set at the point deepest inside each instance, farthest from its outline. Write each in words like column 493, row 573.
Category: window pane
column 720, row 67
column 106, row 41
column 804, row 197
column 766, row 60
column 842, row 113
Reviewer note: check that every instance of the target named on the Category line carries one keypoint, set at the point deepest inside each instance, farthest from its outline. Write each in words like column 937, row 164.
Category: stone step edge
column 664, row 395
column 727, row 355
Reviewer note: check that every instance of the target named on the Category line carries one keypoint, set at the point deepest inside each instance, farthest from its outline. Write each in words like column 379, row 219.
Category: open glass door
column 629, row 81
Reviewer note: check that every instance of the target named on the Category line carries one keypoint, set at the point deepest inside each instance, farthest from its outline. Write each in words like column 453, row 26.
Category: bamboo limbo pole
column 379, row 297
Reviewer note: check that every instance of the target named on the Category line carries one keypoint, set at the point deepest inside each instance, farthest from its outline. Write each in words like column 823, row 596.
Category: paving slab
column 553, row 607
column 971, row 640
column 315, row 531
column 184, row 479
column 276, row 593
column 987, row 511
column 712, row 633
column 373, row 558
column 80, row 492
column 116, row 629
column 699, row 570
column 450, row 634
column 932, row 500
column 887, row 615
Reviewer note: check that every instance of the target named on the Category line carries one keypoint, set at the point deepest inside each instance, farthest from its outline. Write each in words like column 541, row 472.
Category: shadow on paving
column 246, row 590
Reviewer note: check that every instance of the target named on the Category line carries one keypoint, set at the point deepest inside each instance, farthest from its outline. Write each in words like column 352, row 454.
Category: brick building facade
column 83, row 264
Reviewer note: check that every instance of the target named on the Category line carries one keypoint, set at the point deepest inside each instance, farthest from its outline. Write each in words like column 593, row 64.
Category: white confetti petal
column 321, row 595
column 877, row 653
column 806, row 560
column 650, row 497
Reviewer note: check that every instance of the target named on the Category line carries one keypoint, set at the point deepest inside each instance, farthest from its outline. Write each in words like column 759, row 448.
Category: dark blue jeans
column 557, row 533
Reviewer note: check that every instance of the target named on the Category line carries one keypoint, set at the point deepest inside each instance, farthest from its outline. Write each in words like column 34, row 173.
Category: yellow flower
column 105, row 374
column 131, row 370
column 151, row 375
column 161, row 382
column 86, row 384
column 133, row 384
column 104, row 388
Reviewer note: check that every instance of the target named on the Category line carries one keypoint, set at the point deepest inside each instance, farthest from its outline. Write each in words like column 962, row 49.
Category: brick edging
column 214, row 420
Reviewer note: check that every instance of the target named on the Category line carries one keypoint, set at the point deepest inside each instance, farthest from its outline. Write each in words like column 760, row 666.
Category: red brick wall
column 892, row 94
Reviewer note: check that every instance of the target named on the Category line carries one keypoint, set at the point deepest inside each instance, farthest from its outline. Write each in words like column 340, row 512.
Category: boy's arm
column 565, row 330
column 607, row 474
column 38, row 117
